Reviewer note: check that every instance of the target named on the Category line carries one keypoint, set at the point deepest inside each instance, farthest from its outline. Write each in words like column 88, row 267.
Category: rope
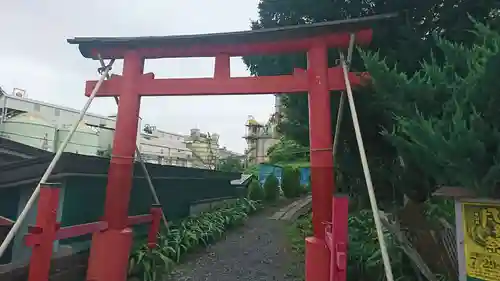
column 17, row 225
column 141, row 160
column 366, row 170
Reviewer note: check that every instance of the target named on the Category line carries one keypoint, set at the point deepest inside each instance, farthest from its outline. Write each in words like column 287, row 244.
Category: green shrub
column 271, row 188
column 307, row 187
column 190, row 233
column 255, row 191
column 303, row 189
column 291, row 182
column 364, row 259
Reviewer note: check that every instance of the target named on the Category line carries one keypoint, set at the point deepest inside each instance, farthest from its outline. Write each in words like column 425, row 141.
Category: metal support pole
column 366, row 170
column 143, row 166
column 52, row 165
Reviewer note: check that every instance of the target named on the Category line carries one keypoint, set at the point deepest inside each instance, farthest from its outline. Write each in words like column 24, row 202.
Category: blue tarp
column 266, row 169
column 304, row 175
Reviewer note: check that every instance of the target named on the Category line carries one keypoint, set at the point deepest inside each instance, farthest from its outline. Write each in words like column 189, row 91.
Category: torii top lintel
column 265, row 41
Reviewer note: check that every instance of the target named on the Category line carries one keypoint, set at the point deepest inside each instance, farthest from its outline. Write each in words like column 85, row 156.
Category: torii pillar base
column 317, row 259
column 109, row 255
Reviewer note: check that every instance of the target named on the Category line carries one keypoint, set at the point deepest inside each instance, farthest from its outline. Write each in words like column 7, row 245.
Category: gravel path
column 255, row 252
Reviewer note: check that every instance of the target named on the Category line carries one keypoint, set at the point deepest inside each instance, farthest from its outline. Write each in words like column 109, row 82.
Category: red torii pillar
column 110, row 249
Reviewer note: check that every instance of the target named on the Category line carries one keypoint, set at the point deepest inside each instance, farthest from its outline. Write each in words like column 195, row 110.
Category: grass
column 296, row 234
column 185, row 237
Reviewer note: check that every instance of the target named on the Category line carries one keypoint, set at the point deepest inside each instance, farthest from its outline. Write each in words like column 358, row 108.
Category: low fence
column 83, row 180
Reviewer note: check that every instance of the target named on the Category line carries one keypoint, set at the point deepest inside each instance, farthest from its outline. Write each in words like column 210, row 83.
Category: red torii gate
column 326, row 251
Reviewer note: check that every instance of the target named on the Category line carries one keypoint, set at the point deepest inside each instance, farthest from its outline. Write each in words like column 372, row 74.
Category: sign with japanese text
column 481, row 224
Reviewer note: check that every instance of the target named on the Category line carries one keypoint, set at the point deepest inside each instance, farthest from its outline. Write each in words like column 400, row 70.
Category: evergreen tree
column 291, row 182
column 446, row 117
column 286, row 151
column 230, row 164
column 404, row 43
column 255, row 191
column 271, row 188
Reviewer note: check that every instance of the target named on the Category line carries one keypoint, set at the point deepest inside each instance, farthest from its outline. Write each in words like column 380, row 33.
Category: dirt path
column 255, row 252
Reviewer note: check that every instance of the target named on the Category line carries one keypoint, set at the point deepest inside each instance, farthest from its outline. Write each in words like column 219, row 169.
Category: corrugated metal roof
column 55, row 106
column 86, row 44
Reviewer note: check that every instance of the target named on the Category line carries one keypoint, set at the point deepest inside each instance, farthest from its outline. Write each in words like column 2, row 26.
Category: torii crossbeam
column 327, row 249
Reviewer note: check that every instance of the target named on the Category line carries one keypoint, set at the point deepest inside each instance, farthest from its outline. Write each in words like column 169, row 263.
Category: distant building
column 260, row 137
column 225, row 153
column 45, row 126
column 205, row 148
column 158, row 146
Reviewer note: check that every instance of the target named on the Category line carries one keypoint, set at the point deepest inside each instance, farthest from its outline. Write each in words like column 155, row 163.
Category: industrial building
column 261, row 136
column 45, row 126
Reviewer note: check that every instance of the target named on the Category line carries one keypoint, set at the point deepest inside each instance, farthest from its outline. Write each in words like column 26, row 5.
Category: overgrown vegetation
column 393, row 40
column 445, row 127
column 252, row 170
column 450, row 131
column 287, row 151
column 255, row 191
column 186, row 236
column 291, row 183
column 430, row 118
column 271, row 188
column 230, row 164
column 364, row 253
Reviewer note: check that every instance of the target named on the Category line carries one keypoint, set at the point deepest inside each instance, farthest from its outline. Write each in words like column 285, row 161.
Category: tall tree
column 230, row 164
column 287, row 151
column 404, row 43
column 451, row 128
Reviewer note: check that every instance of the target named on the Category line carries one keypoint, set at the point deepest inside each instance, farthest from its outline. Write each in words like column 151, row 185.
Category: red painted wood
column 109, row 255
column 296, row 83
column 333, row 40
column 81, row 229
column 154, row 229
column 222, row 67
column 124, row 143
column 340, row 239
column 320, row 139
column 317, row 257
column 318, row 80
column 34, row 237
column 139, row 219
column 111, row 248
column 46, row 223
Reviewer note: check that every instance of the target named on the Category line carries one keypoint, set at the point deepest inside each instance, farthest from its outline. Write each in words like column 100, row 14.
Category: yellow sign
column 482, row 240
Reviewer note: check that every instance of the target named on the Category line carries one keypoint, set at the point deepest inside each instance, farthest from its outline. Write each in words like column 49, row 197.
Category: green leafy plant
column 255, row 191
column 185, row 236
column 149, row 264
column 271, row 188
column 286, row 151
column 446, row 118
column 364, row 259
column 291, row 182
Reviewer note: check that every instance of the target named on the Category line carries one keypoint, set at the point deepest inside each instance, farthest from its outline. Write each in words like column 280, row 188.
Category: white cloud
column 35, row 56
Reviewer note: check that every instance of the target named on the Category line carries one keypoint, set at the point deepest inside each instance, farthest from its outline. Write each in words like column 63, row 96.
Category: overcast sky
column 34, row 56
